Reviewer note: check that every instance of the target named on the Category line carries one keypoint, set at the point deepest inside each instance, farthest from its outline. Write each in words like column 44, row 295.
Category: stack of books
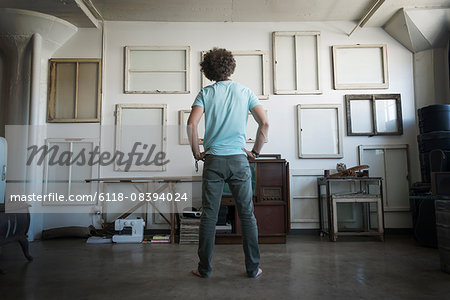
column 224, row 229
column 189, row 228
column 161, row 239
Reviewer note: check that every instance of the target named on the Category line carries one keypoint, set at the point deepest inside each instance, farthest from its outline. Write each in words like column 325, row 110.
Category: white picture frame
column 391, row 163
column 304, row 198
column 253, row 61
column 319, row 129
column 296, row 62
column 157, row 70
column 360, row 67
column 144, row 123
column 63, row 179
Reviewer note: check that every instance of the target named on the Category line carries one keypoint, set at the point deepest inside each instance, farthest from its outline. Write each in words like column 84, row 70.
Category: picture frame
column 144, row 123
column 69, row 179
column 157, row 70
column 74, row 94
column 391, row 162
column 329, row 145
column 374, row 114
column 296, row 62
column 254, row 61
column 360, row 67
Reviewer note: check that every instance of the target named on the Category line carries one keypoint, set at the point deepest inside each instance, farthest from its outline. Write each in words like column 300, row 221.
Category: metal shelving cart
column 351, row 206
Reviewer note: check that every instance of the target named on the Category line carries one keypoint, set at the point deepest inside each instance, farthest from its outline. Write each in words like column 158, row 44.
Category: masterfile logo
column 56, row 156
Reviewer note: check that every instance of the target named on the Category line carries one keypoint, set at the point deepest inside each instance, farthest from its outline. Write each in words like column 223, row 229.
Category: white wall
column 431, row 77
column 86, row 43
column 281, row 108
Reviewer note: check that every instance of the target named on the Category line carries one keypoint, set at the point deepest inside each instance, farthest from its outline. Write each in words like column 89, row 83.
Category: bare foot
column 259, row 273
column 196, row 273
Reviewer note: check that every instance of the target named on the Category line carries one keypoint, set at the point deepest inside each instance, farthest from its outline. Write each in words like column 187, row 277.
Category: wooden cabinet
column 270, row 180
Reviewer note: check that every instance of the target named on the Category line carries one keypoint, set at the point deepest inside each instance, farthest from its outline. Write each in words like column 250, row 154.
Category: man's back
column 226, row 105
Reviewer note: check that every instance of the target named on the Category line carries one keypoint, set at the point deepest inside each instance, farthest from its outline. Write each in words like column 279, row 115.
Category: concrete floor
column 307, row 267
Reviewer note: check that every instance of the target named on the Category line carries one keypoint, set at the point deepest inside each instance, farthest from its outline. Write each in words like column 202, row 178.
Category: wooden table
column 168, row 185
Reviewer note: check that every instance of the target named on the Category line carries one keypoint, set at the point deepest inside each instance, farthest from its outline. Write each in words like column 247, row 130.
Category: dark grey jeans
column 234, row 170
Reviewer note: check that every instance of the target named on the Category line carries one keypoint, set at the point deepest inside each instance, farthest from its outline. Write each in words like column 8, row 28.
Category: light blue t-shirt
column 226, row 105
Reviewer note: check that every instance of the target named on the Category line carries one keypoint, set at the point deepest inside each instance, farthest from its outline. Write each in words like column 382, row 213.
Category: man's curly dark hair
column 218, row 64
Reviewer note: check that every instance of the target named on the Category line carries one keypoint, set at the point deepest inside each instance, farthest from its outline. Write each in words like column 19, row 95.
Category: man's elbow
column 191, row 123
column 264, row 124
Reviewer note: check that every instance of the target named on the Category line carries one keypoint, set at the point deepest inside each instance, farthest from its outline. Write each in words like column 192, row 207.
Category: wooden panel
column 270, row 219
column 74, row 94
column 269, row 174
column 272, row 193
column 88, row 95
column 65, row 90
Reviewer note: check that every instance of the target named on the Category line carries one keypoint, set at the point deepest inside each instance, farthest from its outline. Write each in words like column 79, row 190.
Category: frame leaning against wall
column 360, row 67
column 242, row 75
column 300, row 54
column 394, row 170
column 164, row 70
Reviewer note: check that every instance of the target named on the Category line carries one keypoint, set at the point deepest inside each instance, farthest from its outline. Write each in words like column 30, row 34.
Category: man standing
column 226, row 105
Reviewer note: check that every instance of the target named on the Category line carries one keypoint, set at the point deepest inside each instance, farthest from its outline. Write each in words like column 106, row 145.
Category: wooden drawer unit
column 271, row 202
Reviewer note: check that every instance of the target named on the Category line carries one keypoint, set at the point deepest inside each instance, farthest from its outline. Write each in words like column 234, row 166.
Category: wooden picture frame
column 148, row 120
column 360, row 67
column 381, row 114
column 157, row 70
column 74, row 97
column 248, row 60
column 319, row 138
column 296, row 62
